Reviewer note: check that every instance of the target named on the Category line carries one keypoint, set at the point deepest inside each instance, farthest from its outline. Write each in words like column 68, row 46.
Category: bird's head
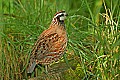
column 60, row 16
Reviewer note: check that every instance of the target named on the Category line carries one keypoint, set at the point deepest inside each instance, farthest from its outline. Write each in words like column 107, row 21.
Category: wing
column 44, row 45
column 50, row 46
column 38, row 51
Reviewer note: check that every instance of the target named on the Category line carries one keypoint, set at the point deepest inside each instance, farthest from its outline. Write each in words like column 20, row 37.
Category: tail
column 31, row 67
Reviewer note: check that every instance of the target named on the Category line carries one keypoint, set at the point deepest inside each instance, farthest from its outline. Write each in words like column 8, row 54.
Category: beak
column 66, row 14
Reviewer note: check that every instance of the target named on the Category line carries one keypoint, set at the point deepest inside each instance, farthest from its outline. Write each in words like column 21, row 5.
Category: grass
column 93, row 29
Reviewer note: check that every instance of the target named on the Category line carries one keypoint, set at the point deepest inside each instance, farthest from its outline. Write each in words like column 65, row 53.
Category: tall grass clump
column 93, row 30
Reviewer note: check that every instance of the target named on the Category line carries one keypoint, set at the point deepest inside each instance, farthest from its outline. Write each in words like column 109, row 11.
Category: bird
column 51, row 44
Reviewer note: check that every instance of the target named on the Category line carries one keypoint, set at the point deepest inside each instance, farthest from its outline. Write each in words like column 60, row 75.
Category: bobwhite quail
column 51, row 43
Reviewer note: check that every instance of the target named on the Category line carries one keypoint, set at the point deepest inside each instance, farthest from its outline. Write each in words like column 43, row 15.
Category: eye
column 61, row 15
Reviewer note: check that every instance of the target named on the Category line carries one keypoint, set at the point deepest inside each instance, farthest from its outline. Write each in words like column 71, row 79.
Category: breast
column 55, row 44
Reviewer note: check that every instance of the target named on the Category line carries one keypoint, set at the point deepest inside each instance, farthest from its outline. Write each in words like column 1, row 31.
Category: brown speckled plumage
column 51, row 43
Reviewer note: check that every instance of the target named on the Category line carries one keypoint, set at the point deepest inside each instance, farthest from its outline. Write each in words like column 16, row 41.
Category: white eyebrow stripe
column 58, row 14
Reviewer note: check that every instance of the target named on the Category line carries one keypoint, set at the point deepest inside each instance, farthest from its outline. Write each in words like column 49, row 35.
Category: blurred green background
column 93, row 30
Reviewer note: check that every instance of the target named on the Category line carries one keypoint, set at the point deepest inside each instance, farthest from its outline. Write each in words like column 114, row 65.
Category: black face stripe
column 61, row 15
column 58, row 17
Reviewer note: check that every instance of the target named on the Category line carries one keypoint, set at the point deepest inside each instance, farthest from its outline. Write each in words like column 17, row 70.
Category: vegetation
column 93, row 27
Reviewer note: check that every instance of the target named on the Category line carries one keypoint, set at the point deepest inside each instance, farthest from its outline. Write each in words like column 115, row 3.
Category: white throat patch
column 62, row 18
